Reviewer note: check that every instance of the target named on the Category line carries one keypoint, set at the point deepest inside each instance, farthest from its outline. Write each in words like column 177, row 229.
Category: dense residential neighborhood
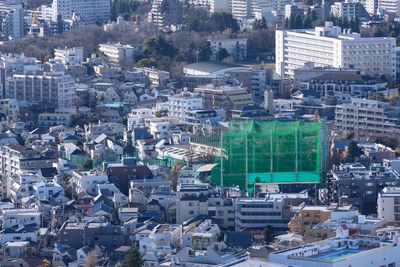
column 199, row 133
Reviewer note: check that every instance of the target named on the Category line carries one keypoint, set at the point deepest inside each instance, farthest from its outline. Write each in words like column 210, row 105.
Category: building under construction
column 270, row 152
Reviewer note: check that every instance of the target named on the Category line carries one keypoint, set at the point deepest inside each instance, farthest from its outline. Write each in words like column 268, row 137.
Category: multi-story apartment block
column 11, row 21
column 120, row 54
column 180, row 105
column 88, row 10
column 272, row 11
column 166, row 13
column 328, row 46
column 16, row 158
column 236, row 48
column 354, row 184
column 274, row 210
column 390, row 6
column 340, row 83
column 158, row 78
column 193, row 200
column 367, row 118
column 70, row 56
column 349, row 9
column 87, row 181
column 371, row 6
column 52, row 119
column 52, row 89
column 389, row 205
column 224, row 97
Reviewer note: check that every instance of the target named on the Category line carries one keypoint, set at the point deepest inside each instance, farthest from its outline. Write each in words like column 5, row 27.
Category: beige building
column 224, row 97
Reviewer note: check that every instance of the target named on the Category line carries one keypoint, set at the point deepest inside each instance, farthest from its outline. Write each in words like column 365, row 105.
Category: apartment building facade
column 52, row 89
column 367, row 117
column 88, row 10
column 328, row 46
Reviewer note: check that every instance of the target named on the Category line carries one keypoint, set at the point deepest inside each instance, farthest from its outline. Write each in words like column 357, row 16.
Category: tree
column 174, row 175
column 259, row 24
column 88, row 165
column 133, row 258
column 269, row 234
column 123, row 8
column 205, row 51
column 353, row 151
column 222, row 54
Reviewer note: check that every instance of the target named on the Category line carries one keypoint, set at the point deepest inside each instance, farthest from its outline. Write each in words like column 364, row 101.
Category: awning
column 207, row 167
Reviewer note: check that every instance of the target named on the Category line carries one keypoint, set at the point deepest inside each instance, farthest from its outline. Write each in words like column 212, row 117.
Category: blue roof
column 101, row 206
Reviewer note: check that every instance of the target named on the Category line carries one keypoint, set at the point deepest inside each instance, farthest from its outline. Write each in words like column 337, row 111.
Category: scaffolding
column 270, row 152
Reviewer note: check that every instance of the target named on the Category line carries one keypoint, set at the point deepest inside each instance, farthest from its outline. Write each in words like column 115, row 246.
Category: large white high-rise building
column 329, row 46
column 88, row 10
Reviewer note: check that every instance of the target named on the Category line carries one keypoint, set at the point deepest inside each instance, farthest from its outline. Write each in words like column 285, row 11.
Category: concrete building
column 390, row 6
column 367, row 118
column 272, row 11
column 236, row 48
column 11, row 21
column 180, row 105
column 274, row 210
column 193, row 200
column 16, row 158
column 87, row 181
column 166, row 13
column 69, row 56
column 329, row 46
column 389, row 205
column 52, row 89
column 371, row 6
column 88, row 10
column 341, row 251
column 349, row 9
column 255, row 80
column 120, row 54
column 224, row 97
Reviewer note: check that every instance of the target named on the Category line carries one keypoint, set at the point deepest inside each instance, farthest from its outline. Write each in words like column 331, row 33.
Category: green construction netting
column 269, row 151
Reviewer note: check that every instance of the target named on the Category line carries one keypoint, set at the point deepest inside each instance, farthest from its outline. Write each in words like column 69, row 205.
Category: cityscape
column 199, row 133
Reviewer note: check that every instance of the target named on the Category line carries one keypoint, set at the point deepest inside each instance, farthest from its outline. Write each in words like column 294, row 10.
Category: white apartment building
column 69, row 56
column 367, row 117
column 257, row 213
column 87, row 181
column 389, row 205
column 236, row 48
column 13, row 217
column 271, row 11
column 371, row 6
column 328, row 46
column 53, row 119
column 156, row 77
column 160, row 128
column 179, row 105
column 88, row 10
column 119, row 53
column 390, row 6
column 55, row 89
